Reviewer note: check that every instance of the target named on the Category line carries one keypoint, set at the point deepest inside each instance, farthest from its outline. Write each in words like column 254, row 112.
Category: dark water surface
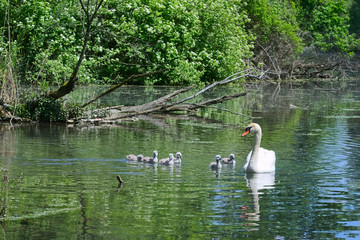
column 59, row 182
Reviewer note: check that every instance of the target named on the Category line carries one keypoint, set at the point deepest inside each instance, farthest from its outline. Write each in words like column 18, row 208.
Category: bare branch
column 192, row 106
column 96, row 10
column 183, row 107
column 86, row 11
column 160, row 105
column 225, row 81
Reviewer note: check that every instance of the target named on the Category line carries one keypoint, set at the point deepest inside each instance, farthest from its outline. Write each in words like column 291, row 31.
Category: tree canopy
column 198, row 41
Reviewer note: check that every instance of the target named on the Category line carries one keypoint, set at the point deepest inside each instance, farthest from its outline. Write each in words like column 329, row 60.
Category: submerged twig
column 119, row 179
column 121, row 182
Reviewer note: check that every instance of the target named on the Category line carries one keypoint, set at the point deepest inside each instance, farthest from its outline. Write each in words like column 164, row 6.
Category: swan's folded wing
column 247, row 160
column 268, row 159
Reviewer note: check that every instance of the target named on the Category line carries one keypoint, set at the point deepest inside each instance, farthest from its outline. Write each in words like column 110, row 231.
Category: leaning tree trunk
column 69, row 85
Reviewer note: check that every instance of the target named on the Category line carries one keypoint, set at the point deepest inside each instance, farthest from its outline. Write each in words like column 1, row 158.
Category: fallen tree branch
column 165, row 98
column 175, row 108
column 193, row 106
column 229, row 79
column 162, row 105
column 317, row 70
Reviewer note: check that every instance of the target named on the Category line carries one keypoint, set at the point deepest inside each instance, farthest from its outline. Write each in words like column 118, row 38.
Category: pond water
column 59, row 182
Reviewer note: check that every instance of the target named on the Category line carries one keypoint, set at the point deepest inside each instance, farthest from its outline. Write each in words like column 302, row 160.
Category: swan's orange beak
column 246, row 132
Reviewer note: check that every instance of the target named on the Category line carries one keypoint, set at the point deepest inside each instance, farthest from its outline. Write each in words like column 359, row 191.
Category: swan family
column 259, row 160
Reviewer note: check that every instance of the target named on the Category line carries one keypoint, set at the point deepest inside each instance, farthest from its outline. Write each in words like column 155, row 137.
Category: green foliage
column 274, row 22
column 198, row 41
column 277, row 32
column 328, row 23
column 72, row 110
column 3, row 67
column 42, row 109
column 48, row 34
column 355, row 18
column 48, row 110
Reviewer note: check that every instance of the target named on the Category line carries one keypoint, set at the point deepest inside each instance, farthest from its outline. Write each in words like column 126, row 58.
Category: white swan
column 259, row 160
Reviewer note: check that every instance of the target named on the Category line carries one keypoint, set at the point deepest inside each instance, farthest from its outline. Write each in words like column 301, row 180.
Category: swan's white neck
column 255, row 152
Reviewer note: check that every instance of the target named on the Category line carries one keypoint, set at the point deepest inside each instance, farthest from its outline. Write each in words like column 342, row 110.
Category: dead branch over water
column 166, row 105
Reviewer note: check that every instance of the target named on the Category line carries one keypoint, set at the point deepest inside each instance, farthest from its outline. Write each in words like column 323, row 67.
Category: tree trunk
column 69, row 86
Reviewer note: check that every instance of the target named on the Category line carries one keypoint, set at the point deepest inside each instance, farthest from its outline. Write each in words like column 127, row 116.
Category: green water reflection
column 59, row 182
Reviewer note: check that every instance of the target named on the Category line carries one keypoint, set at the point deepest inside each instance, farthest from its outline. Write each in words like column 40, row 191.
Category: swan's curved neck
column 256, row 147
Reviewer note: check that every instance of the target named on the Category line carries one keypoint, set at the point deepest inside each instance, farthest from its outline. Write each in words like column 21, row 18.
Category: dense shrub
column 40, row 109
column 198, row 41
column 277, row 32
column 328, row 22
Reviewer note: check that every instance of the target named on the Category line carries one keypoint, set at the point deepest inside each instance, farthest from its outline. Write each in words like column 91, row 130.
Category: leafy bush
column 328, row 23
column 277, row 32
column 48, row 110
column 41, row 109
column 274, row 22
column 198, row 41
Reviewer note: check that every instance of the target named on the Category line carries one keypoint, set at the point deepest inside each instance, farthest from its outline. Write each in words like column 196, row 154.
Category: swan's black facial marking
column 248, row 129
